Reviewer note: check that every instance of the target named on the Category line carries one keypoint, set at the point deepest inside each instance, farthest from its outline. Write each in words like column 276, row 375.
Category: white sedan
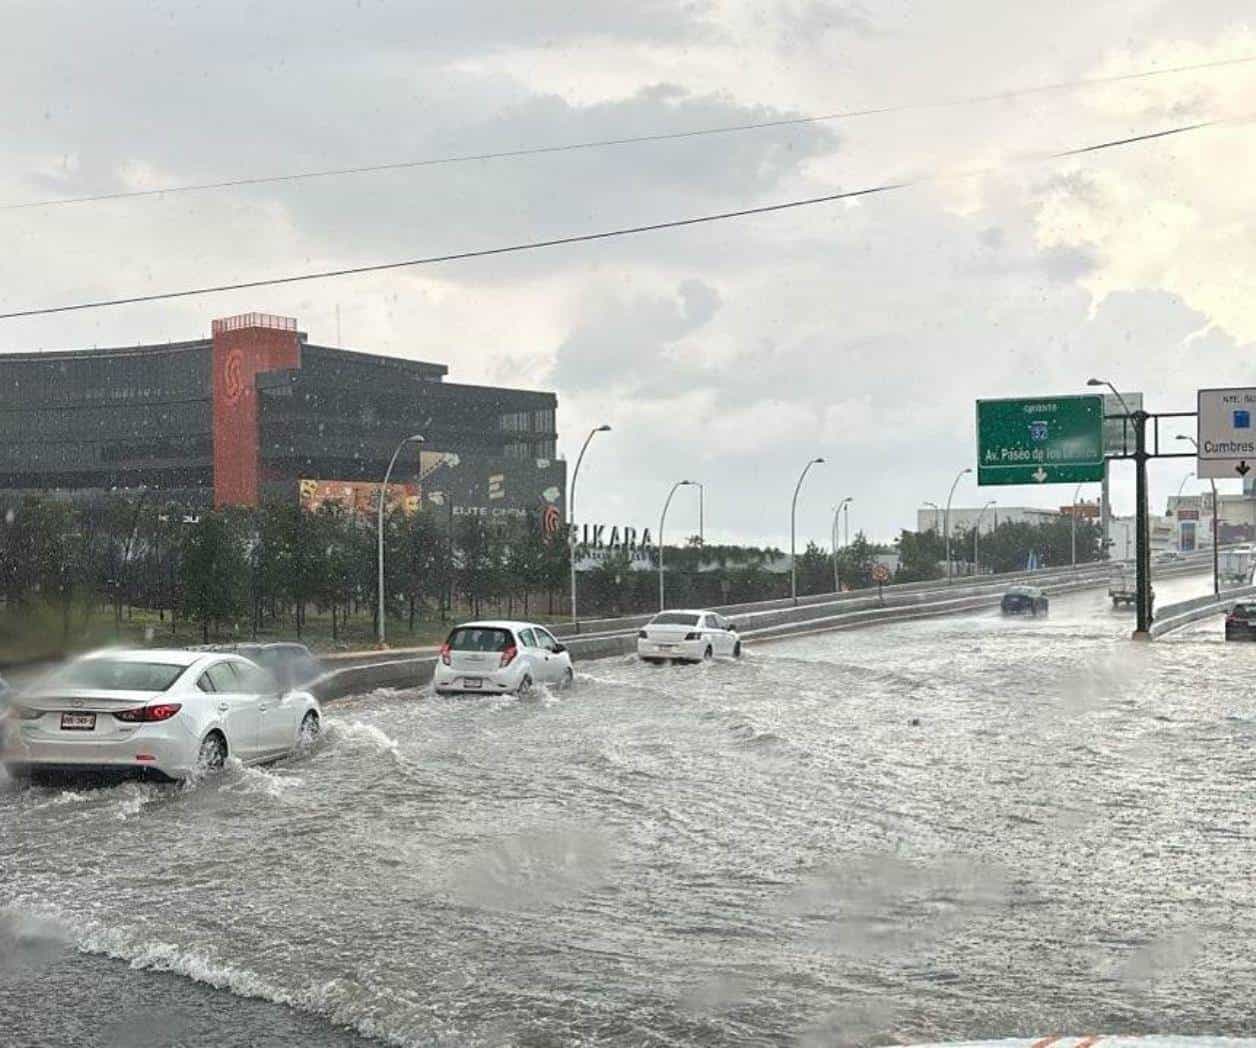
column 687, row 636
column 167, row 714
column 501, row 657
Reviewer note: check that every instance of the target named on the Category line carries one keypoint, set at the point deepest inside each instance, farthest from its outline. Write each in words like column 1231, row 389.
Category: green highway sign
column 1046, row 440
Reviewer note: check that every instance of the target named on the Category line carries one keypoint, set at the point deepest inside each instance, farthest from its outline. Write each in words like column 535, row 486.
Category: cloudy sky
column 729, row 353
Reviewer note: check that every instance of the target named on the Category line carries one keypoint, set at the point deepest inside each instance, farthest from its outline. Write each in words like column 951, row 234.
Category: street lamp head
column 817, row 461
column 1095, row 382
column 415, row 439
column 603, row 428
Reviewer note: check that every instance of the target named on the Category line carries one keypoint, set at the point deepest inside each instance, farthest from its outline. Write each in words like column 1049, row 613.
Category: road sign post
column 1226, row 435
column 1044, row 440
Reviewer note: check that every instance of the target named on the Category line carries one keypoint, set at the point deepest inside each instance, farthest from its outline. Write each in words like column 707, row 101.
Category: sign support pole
column 1142, row 527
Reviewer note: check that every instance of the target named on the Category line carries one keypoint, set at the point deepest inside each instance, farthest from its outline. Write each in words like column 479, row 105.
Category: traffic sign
column 1226, row 437
column 880, row 573
column 1046, row 440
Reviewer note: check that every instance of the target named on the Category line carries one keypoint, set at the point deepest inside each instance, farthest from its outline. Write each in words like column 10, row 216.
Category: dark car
column 1025, row 600
column 292, row 665
column 1240, row 624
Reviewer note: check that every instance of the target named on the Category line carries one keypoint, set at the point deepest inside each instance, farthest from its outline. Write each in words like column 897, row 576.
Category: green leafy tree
column 214, row 572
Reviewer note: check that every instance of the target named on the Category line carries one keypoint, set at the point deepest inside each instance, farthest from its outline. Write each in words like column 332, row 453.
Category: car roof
column 168, row 656
column 1024, row 591
column 686, row 611
column 499, row 624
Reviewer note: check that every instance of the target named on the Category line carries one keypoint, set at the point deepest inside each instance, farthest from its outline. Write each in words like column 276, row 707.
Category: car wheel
column 310, row 728
column 737, row 650
column 525, row 685
column 213, row 753
column 569, row 678
column 708, row 655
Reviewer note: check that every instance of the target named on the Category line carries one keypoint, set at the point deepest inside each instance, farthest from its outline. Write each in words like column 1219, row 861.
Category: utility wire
column 581, row 238
column 235, row 183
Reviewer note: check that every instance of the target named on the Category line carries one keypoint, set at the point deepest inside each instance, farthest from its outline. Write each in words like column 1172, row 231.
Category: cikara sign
column 1227, row 435
column 1046, row 440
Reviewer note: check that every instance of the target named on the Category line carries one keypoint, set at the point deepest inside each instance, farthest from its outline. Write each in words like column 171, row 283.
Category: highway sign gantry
column 1226, row 434
column 1040, row 440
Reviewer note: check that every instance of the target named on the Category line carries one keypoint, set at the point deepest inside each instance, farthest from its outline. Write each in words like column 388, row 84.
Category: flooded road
column 952, row 828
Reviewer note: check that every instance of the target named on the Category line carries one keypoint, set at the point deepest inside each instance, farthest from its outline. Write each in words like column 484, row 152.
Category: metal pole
column 571, row 510
column 846, row 526
column 793, row 516
column 946, row 520
column 937, row 524
column 1073, row 514
column 1142, row 533
column 1216, row 577
column 701, row 515
column 1105, row 512
column 662, row 521
column 844, row 504
column 976, row 536
column 383, row 492
column 837, row 588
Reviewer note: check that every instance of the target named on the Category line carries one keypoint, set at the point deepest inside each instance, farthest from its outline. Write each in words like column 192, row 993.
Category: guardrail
column 1183, row 613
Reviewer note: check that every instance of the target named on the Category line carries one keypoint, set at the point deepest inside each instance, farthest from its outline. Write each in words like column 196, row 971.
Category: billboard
column 356, row 496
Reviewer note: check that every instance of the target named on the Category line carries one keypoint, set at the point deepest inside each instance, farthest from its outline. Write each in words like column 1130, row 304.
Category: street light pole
column 571, row 509
column 793, row 516
column 701, row 513
column 383, row 494
column 977, row 534
column 937, row 510
column 1216, row 510
column 1072, row 511
column 946, row 520
column 662, row 521
column 1105, row 498
column 836, row 513
column 846, row 524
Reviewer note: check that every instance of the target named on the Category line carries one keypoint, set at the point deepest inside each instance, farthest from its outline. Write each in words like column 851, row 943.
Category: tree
column 214, row 572
column 920, row 555
column 814, row 571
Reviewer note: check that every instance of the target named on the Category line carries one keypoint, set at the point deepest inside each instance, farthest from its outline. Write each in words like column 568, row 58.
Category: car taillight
column 693, row 636
column 508, row 655
column 26, row 713
column 162, row 711
column 444, row 653
column 643, row 635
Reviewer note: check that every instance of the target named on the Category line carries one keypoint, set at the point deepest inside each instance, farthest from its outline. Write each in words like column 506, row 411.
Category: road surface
column 948, row 829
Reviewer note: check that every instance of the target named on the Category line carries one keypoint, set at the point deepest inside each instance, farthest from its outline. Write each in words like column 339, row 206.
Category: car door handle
column 223, row 707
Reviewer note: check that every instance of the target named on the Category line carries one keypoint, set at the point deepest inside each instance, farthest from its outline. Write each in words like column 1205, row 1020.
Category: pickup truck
column 1123, row 590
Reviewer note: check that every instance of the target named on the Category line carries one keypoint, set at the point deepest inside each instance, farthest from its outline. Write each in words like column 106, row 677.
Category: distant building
column 256, row 410
column 964, row 518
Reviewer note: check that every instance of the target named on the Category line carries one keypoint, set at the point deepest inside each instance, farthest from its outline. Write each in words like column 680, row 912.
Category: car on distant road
column 293, row 665
column 1240, row 623
column 169, row 714
column 687, row 636
column 1169, row 556
column 1024, row 600
column 501, row 657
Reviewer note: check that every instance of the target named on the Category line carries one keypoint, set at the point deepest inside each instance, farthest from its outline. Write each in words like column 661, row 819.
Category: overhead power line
column 582, row 238
column 569, row 147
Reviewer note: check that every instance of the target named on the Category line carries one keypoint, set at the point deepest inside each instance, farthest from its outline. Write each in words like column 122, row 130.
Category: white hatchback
column 687, row 636
column 167, row 714
column 501, row 657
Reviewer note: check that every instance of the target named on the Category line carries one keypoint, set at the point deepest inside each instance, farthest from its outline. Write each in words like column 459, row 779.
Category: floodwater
column 946, row 829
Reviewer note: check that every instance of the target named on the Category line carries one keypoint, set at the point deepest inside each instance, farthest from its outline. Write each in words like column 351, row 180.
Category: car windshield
column 480, row 638
column 117, row 675
column 674, row 618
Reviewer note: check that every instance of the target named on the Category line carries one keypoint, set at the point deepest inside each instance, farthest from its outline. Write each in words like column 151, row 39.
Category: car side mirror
column 559, row 648
column 732, row 627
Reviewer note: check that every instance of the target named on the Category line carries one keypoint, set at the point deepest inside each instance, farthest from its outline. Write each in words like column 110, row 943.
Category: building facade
column 256, row 411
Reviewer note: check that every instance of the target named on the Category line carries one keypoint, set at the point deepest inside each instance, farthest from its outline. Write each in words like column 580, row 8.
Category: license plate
column 472, row 682
column 78, row 722
column 667, row 647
